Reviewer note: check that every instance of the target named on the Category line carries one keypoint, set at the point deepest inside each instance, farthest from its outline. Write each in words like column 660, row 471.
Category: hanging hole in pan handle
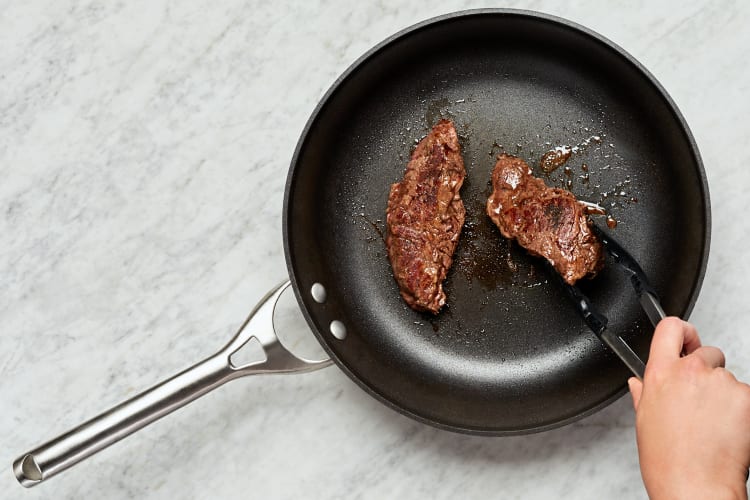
column 260, row 329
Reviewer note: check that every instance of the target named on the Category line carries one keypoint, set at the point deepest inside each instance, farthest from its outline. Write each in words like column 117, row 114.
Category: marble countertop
column 143, row 153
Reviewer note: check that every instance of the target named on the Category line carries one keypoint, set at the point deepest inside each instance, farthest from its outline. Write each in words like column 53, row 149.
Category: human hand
column 692, row 419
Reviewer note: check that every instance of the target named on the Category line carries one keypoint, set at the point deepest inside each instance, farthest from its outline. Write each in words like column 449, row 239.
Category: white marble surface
column 143, row 153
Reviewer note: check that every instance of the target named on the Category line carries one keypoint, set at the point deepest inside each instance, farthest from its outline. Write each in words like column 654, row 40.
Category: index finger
column 671, row 337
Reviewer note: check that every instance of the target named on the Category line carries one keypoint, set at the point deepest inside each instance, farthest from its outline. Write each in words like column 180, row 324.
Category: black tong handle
column 647, row 296
column 597, row 322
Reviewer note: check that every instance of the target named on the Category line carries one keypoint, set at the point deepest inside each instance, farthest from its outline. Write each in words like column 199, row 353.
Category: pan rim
column 428, row 23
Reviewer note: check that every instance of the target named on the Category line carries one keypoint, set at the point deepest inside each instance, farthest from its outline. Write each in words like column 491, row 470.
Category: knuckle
column 722, row 378
column 726, row 375
column 694, row 363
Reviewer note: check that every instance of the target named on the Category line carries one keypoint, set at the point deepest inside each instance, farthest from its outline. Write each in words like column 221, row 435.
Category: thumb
column 636, row 388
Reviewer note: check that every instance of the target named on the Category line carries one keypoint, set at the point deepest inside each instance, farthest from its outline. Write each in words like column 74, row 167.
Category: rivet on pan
column 318, row 293
column 338, row 329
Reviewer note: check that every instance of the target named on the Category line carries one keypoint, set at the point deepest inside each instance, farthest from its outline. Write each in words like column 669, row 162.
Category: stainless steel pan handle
column 63, row 452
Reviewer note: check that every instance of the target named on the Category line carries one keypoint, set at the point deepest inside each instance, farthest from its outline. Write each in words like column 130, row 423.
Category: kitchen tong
column 597, row 322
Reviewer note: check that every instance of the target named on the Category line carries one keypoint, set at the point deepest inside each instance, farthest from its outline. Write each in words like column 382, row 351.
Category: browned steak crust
column 424, row 218
column 548, row 222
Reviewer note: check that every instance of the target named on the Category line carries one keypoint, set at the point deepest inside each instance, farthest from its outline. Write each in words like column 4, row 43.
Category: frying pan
column 507, row 355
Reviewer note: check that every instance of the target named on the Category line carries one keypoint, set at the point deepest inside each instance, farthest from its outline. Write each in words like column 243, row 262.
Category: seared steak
column 548, row 222
column 424, row 218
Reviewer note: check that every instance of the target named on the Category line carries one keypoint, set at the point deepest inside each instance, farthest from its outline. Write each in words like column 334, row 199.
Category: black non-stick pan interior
column 508, row 354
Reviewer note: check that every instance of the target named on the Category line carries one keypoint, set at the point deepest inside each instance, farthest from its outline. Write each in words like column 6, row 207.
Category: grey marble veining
column 143, row 154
